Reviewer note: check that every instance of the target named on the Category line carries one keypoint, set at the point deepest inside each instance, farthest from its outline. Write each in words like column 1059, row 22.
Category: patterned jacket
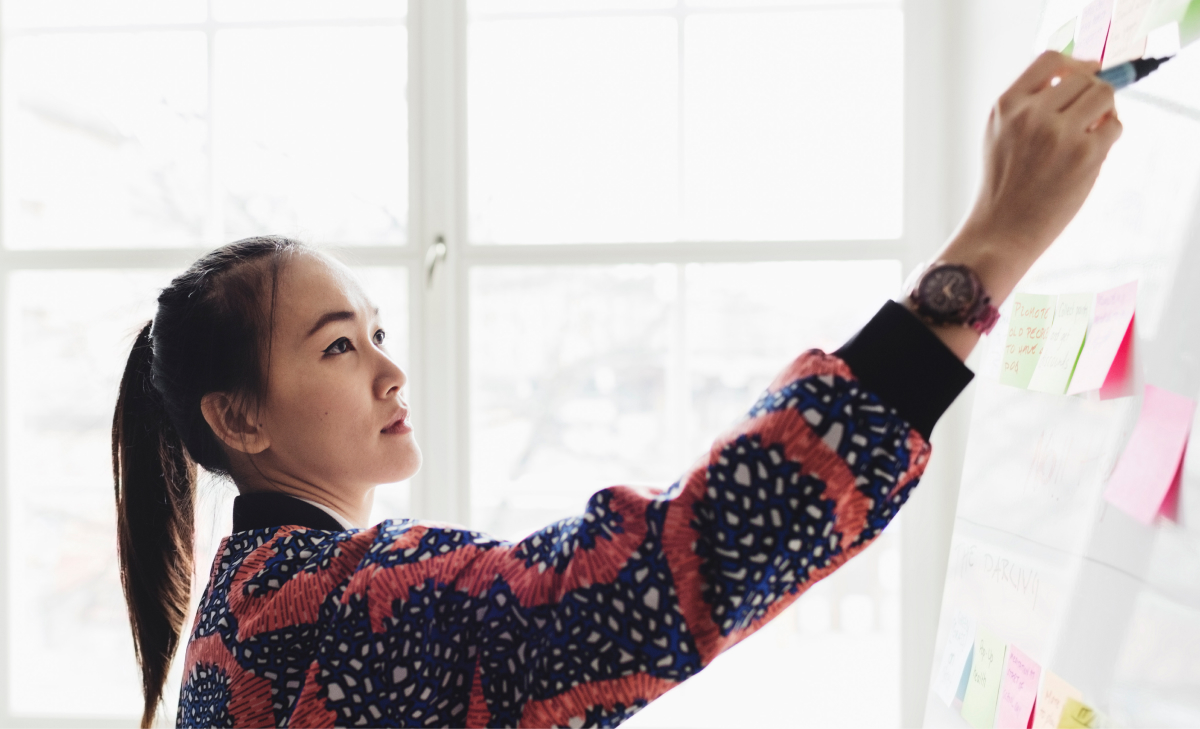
column 416, row 623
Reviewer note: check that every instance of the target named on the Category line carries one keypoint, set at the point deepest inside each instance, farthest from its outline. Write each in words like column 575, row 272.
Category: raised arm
column 594, row 616
column 589, row 619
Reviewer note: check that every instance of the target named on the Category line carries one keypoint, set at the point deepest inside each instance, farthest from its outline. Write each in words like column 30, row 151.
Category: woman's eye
column 338, row 347
column 380, row 336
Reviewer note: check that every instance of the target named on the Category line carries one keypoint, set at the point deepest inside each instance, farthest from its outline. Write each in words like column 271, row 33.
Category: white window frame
column 440, row 365
column 438, row 305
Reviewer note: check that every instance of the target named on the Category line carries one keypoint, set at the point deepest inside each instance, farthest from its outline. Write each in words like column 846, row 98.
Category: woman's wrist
column 999, row 264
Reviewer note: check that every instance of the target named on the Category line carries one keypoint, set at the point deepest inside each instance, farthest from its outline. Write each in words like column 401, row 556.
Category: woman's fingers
column 1093, row 105
column 1045, row 68
column 1108, row 131
column 1069, row 88
column 1038, row 75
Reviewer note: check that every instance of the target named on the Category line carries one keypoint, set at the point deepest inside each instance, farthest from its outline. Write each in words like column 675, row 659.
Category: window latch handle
column 433, row 255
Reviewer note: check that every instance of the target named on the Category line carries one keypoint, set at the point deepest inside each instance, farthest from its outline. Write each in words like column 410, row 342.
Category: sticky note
column 983, row 685
column 1018, row 690
column 1112, row 320
column 1170, row 504
column 959, row 644
column 1028, row 325
column 1078, row 715
column 1189, row 25
column 1052, row 697
column 1061, row 38
column 1072, row 312
column 1126, row 40
column 1092, row 31
column 1163, row 41
column 1150, row 461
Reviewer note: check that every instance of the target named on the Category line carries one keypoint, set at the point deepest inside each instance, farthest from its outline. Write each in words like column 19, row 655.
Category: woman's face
column 334, row 416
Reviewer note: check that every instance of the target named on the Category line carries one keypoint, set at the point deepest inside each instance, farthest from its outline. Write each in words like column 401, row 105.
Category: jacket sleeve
column 586, row 621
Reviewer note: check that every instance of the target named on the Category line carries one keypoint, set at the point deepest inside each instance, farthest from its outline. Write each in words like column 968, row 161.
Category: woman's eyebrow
column 329, row 317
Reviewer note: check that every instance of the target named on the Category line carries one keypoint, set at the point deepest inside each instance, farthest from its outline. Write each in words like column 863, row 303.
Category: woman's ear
column 233, row 423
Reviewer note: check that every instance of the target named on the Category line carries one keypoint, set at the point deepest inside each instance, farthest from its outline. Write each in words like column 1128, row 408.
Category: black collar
column 269, row 509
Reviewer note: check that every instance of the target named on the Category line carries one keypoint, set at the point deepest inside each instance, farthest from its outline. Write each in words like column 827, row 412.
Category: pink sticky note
column 1119, row 381
column 1018, row 690
column 1126, row 39
column 1092, row 32
column 1148, row 466
column 1112, row 319
column 1170, row 504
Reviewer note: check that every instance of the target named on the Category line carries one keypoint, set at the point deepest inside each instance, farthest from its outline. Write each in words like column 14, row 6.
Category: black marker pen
column 1125, row 74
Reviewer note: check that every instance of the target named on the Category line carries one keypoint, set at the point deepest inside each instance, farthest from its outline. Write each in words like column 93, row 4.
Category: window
column 648, row 207
column 135, row 135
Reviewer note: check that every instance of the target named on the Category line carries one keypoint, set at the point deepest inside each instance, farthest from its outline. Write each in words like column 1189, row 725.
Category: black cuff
column 899, row 359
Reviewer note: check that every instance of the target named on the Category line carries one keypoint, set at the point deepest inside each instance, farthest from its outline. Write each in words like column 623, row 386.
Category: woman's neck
column 350, row 512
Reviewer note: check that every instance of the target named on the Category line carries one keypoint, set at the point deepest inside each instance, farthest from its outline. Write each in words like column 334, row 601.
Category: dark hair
column 211, row 333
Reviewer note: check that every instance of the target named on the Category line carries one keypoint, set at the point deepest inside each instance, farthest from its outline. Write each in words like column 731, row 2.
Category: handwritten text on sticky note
column 1150, row 461
column 1028, row 326
column 1111, row 319
column 1126, row 40
column 1052, row 697
column 983, row 685
column 1063, row 343
column 959, row 644
column 1018, row 690
column 1092, row 32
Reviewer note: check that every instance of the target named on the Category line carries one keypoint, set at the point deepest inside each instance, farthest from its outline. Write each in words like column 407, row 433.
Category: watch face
column 947, row 292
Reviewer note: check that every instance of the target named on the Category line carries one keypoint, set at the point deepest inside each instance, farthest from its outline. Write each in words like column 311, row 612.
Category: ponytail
column 210, row 333
column 155, row 485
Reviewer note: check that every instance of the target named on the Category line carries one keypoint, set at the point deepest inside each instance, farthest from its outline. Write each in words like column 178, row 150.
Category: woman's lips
column 399, row 426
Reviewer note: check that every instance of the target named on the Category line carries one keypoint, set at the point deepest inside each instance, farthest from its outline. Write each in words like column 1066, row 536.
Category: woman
column 266, row 363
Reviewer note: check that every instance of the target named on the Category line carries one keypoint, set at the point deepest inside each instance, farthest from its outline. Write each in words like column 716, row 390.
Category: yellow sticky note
column 983, row 684
column 1052, row 697
column 1078, row 715
column 1063, row 343
column 1028, row 327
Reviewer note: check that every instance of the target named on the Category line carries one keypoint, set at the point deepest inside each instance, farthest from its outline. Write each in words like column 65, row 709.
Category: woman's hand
column 1046, row 139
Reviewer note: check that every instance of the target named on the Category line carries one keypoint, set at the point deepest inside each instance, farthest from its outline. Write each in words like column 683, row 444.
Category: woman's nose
column 390, row 378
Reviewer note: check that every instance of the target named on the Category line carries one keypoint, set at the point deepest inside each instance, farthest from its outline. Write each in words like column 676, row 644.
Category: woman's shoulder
column 260, row 562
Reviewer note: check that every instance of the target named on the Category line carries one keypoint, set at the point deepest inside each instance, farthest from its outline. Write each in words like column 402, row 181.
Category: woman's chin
column 406, row 463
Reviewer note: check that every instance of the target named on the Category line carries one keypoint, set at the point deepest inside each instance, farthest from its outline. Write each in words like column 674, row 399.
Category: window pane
column 585, row 377
column 311, row 133
column 745, row 321
column 104, row 140
column 388, row 289
column 68, row 340
column 252, row 10
column 573, row 130
column 25, row 13
column 567, row 389
column 794, row 125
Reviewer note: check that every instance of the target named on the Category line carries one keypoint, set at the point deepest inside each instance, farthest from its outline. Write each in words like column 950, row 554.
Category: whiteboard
column 1037, row 557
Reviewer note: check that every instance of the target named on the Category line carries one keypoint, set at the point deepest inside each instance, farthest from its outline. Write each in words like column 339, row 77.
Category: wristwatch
column 951, row 293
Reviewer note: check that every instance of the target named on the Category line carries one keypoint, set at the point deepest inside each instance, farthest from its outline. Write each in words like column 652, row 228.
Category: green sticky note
column 1189, row 25
column 1063, row 38
column 1028, row 327
column 983, row 685
column 1078, row 715
column 1063, row 343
